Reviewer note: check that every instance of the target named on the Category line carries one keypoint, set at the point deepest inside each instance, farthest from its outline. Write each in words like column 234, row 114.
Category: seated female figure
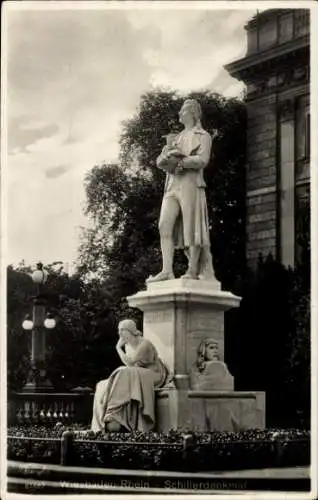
column 126, row 400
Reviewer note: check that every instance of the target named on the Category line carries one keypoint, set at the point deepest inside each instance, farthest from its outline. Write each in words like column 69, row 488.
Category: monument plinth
column 180, row 315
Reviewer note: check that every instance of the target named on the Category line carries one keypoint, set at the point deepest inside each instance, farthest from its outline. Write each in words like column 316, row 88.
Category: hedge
column 175, row 451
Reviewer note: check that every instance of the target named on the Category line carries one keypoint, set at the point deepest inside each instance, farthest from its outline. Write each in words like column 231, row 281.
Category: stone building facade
column 276, row 72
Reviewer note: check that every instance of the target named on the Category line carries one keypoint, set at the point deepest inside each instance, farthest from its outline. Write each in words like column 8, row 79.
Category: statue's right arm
column 123, row 356
column 162, row 157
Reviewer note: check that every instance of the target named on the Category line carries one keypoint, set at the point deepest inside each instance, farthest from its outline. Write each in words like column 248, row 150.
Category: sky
column 72, row 77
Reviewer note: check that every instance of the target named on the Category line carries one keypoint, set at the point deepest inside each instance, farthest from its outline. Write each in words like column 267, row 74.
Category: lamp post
column 37, row 324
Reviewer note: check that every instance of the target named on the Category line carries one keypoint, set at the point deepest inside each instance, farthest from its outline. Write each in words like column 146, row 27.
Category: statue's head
column 190, row 112
column 208, row 350
column 127, row 329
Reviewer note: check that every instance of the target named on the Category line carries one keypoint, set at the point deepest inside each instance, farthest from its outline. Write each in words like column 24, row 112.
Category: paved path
column 282, row 473
column 46, row 479
column 277, row 473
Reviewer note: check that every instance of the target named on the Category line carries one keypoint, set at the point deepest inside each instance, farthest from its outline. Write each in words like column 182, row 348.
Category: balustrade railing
column 47, row 408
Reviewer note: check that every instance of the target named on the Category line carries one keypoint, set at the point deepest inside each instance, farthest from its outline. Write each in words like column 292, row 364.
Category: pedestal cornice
column 184, row 291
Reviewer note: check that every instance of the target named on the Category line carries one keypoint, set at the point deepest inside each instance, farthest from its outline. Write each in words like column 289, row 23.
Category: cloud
column 73, row 77
column 54, row 172
column 199, row 46
column 21, row 135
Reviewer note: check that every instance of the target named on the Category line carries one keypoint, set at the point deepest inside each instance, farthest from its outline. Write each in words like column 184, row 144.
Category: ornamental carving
column 284, row 78
column 278, row 81
column 256, row 88
column 301, row 26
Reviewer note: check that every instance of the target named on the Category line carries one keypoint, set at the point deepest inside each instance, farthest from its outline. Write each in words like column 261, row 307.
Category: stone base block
column 209, row 410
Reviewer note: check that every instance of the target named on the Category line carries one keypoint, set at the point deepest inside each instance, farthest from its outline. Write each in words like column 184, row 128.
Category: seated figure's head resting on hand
column 208, row 350
column 126, row 328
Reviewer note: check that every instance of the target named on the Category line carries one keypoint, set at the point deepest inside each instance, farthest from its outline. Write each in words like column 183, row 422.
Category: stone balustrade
column 47, row 408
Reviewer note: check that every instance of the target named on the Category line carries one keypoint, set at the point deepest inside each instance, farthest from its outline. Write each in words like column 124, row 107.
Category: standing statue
column 184, row 217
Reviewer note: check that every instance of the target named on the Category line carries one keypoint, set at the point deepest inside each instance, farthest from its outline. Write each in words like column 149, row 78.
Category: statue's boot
column 190, row 275
column 207, row 272
column 167, row 250
column 162, row 276
column 193, row 256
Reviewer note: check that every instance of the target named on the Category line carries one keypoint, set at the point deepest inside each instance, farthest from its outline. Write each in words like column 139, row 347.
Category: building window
column 267, row 34
column 286, row 27
column 307, row 134
column 302, row 137
column 302, row 22
column 302, row 223
column 294, row 179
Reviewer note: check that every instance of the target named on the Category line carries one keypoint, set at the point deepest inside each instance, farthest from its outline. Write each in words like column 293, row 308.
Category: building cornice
column 261, row 17
column 244, row 68
column 287, row 88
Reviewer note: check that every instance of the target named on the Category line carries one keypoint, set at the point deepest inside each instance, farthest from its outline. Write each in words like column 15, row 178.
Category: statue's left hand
column 187, row 162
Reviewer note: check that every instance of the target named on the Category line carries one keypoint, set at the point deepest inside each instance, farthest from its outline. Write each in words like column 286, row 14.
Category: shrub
column 29, row 449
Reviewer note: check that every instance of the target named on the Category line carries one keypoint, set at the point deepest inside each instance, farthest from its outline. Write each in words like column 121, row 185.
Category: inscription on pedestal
column 163, row 315
column 159, row 329
column 204, row 319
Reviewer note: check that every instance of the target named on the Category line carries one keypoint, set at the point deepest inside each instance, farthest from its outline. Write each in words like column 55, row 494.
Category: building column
column 287, row 182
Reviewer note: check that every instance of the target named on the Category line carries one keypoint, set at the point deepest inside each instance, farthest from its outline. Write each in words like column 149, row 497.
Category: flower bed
column 175, row 451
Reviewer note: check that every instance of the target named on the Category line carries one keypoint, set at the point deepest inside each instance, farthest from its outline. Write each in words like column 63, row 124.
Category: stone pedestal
column 178, row 315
